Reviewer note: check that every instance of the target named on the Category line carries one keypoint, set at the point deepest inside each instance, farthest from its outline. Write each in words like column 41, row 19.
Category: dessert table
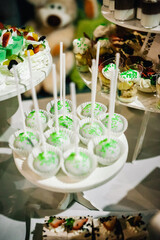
column 135, row 188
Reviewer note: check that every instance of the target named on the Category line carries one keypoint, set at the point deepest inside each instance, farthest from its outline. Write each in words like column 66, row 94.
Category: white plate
column 62, row 183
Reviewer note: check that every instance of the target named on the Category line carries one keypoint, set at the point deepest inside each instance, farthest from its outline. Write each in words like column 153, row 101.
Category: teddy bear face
column 57, row 13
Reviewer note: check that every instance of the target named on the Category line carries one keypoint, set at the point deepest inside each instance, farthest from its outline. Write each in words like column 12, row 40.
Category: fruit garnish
column 6, row 62
column 42, row 38
column 110, row 224
column 11, row 63
column 29, row 29
column 30, row 38
column 5, row 38
column 78, row 224
column 19, row 33
column 1, row 26
column 31, row 52
column 35, row 36
column 25, row 33
column 57, row 222
column 39, row 48
column 30, row 46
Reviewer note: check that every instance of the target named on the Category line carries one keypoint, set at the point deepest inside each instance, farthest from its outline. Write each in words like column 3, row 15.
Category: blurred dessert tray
column 10, row 90
column 132, row 24
column 144, row 101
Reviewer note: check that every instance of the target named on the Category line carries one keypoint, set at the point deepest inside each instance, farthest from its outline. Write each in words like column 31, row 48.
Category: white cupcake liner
column 83, row 105
column 51, row 103
column 22, row 153
column 52, row 120
column 36, row 152
column 91, row 156
column 44, row 127
column 103, row 161
column 69, row 132
column 87, row 120
column 125, row 123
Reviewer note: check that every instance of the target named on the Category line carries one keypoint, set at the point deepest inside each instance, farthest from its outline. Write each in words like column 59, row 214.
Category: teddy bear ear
column 91, row 8
column 37, row 2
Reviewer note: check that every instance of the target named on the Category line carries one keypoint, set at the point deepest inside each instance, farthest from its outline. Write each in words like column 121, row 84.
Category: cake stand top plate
column 131, row 24
column 62, row 183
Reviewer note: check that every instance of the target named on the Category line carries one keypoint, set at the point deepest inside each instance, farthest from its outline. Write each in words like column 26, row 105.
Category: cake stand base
column 77, row 197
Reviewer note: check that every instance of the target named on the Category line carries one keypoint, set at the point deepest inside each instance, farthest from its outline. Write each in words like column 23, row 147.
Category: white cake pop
column 26, row 141
column 109, row 150
column 78, row 164
column 46, row 162
column 31, row 119
column 117, row 124
column 61, row 108
column 65, row 122
column 98, row 110
column 58, row 139
column 89, row 130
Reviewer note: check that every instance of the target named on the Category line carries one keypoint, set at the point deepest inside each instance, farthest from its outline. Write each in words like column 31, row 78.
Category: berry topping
column 1, row 26
column 42, row 38
column 11, row 63
column 30, row 38
column 5, row 38
column 110, row 224
column 78, row 224
column 57, row 222
column 30, row 46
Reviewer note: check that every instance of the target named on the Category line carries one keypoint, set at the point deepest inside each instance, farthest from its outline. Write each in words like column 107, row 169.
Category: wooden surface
column 144, row 101
column 134, row 24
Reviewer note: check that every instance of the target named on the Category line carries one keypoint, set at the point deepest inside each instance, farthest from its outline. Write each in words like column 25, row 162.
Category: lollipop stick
column 34, row 96
column 93, row 94
column 19, row 99
column 55, row 95
column 64, row 81
column 61, row 70
column 73, row 96
column 113, row 90
column 97, row 58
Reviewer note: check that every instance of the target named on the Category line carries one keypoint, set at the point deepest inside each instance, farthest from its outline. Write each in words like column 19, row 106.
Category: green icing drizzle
column 32, row 115
column 78, row 161
column 87, row 109
column 47, row 158
column 26, row 137
column 60, row 106
column 105, row 145
column 65, row 122
column 116, row 119
column 93, row 129
column 109, row 66
column 131, row 74
column 57, row 138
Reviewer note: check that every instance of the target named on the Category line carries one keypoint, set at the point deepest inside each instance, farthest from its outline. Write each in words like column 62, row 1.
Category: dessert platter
column 101, row 225
column 14, row 43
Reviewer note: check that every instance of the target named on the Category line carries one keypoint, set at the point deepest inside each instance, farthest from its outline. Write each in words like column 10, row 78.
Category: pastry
column 127, row 89
column 81, row 50
column 105, row 75
column 67, row 228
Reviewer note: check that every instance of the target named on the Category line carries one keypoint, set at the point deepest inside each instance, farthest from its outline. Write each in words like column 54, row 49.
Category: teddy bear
column 55, row 19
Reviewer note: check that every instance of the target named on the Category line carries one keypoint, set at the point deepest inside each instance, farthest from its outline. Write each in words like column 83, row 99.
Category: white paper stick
column 19, row 99
column 97, row 58
column 93, row 93
column 61, row 70
column 113, row 89
column 64, row 82
column 55, row 95
column 35, row 102
column 73, row 97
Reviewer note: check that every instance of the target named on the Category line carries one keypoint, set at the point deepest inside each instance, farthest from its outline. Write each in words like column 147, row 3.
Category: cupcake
column 105, row 75
column 81, row 50
column 147, row 81
column 124, row 10
column 126, row 88
column 150, row 13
